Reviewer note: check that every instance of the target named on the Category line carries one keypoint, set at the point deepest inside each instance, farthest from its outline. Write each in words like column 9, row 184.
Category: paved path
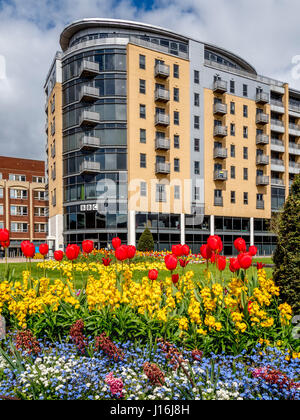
column 17, row 260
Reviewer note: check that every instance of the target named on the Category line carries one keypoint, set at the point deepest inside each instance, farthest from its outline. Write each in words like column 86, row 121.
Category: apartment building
column 23, row 201
column 148, row 127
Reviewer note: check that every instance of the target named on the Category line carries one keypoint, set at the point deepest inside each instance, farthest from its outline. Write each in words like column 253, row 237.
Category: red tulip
column 183, row 262
column 171, row 262
column 185, row 250
column 116, row 242
column 177, row 250
column 220, row 243
column 221, row 262
column 121, row 253
column 249, row 306
column 260, row 266
column 58, row 255
column 87, row 246
column 245, row 261
column 152, row 274
column 4, row 235
column 213, row 243
column 240, row 245
column 29, row 249
column 72, row 252
column 213, row 258
column 43, row 249
column 106, row 261
column 205, row 252
column 131, row 251
column 252, row 250
column 5, row 244
column 23, row 244
column 234, row 265
column 175, row 278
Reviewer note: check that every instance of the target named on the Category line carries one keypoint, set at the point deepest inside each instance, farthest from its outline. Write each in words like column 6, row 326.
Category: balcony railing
column 277, row 181
column 220, row 131
column 262, row 118
column 162, row 168
column 220, row 86
column 294, row 148
column 262, row 139
column 88, row 68
column 260, row 204
column 220, row 153
column 294, row 165
column 162, row 70
column 89, row 143
column 278, row 103
column 218, row 201
column 262, row 180
column 89, row 118
column 220, row 109
column 262, row 160
column 89, row 167
column 262, row 98
column 277, row 162
column 294, row 107
column 220, row 175
column 162, row 95
column 277, row 142
column 162, row 144
column 294, row 127
column 162, row 119
column 89, row 93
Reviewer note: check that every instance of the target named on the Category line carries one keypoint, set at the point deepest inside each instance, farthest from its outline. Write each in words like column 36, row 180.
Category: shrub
column 146, row 242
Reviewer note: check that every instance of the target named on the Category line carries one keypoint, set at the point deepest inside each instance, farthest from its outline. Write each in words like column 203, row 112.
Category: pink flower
column 115, row 384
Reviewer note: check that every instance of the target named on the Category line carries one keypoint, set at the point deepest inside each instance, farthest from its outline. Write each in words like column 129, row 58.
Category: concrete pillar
column 131, row 228
column 251, row 231
column 212, row 224
column 182, row 229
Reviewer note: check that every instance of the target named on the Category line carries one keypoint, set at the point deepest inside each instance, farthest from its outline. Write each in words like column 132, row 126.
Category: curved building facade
column 147, row 127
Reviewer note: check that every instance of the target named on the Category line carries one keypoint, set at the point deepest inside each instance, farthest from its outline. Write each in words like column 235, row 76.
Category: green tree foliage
column 287, row 253
column 146, row 242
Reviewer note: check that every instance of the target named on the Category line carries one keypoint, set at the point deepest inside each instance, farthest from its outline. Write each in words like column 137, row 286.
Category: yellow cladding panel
column 55, row 140
column 134, row 98
column 239, row 185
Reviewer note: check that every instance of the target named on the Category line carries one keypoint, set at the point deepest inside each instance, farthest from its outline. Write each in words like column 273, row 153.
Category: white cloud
column 265, row 33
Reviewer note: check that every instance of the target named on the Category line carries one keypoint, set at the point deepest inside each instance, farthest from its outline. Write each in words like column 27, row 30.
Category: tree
column 287, row 253
column 146, row 242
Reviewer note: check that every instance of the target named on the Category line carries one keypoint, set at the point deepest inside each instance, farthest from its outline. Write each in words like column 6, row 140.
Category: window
column 40, row 227
column 232, row 150
column 18, row 194
column 1, row 210
column 245, row 152
column 176, row 118
column 177, row 192
column 176, row 71
column 142, row 135
column 232, row 129
column 196, row 122
column 40, row 211
column 197, row 168
column 245, row 132
column 142, row 160
column 245, row 198
column 232, row 172
column 176, row 142
column 13, row 177
column 19, row 227
column 196, row 193
column 197, row 145
column 40, row 195
column 160, row 192
column 176, row 165
column 245, row 90
column 0, row 175
column 1, row 225
column 245, row 111
column 142, row 86
column 38, row 179
column 176, row 94
column 232, row 86
column 18, row 211
column 143, row 189
column 196, row 99
column 142, row 111
column 232, row 197
column 232, row 108
column 245, row 174
column 142, row 60
column 196, row 77
column 1, row 192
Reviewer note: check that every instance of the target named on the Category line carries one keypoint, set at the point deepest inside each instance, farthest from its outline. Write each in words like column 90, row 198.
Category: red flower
column 28, row 249
column 58, row 255
column 252, row 250
column 245, row 261
column 213, row 243
column 44, row 249
column 131, row 251
column 4, row 235
column 205, row 252
column 171, row 262
column 234, row 265
column 249, row 306
column 152, row 274
column 183, row 262
column 106, row 261
column 121, row 253
column 260, row 266
column 116, row 242
column 177, row 250
column 5, row 244
column 221, row 262
column 175, row 278
column 72, row 252
column 185, row 250
column 87, row 246
column 213, row 258
column 240, row 245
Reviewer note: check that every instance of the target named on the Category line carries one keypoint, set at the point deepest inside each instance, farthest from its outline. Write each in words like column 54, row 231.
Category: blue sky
column 265, row 33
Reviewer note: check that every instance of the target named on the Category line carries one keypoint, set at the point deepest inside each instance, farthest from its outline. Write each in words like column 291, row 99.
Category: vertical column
column 212, row 224
column 251, row 231
column 182, row 229
column 131, row 228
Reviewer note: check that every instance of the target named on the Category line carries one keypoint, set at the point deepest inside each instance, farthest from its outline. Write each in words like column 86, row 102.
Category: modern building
column 148, row 127
column 23, row 201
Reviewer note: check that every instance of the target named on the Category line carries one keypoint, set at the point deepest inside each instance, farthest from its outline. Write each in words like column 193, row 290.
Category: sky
column 266, row 33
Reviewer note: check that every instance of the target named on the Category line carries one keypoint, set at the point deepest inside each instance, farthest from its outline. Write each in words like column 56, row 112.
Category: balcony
column 89, row 143
column 89, row 167
column 262, row 139
column 277, row 145
column 262, row 160
column 294, row 168
column 294, row 129
column 162, row 119
column 277, row 182
column 262, row 118
column 162, row 168
column 262, row 180
column 88, row 69
column 260, row 204
column 220, row 86
column 218, row 201
column 294, row 107
column 277, row 125
column 220, row 109
column 89, row 94
column 162, row 144
column 277, row 106
column 162, row 70
column 220, row 153
column 262, row 98
column 220, row 175
column 162, row 95
column 294, row 148
column 89, row 118
column 277, row 165
column 220, row 131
